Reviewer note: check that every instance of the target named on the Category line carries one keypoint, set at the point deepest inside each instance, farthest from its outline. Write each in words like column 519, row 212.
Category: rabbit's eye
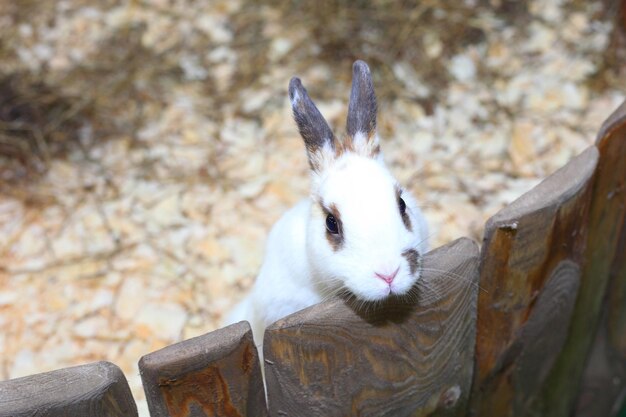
column 402, row 206
column 331, row 224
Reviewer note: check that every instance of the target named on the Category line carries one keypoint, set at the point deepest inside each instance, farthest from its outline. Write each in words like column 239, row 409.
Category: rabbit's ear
column 318, row 138
column 361, row 126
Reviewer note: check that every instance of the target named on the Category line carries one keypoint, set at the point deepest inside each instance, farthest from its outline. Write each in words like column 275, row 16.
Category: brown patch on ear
column 340, row 148
column 414, row 259
column 373, row 146
column 334, row 240
column 375, row 152
column 370, row 149
column 343, row 146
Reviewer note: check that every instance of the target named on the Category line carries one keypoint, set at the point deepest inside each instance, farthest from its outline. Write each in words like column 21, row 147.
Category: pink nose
column 388, row 278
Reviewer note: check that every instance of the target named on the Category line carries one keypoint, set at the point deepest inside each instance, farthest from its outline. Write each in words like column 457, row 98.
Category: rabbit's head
column 365, row 233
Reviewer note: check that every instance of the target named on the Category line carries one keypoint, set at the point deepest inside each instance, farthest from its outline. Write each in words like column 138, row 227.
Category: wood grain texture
column 403, row 358
column 612, row 145
column 96, row 389
column 616, row 302
column 604, row 383
column 534, row 245
column 603, row 390
column 217, row 374
column 543, row 335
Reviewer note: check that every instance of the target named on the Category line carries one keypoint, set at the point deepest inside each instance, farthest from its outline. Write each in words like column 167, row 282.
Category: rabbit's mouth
column 389, row 287
column 395, row 307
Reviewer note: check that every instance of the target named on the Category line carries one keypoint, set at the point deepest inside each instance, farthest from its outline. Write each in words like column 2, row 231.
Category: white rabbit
column 359, row 232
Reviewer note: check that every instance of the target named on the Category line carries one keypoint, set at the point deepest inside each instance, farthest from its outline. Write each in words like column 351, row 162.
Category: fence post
column 94, row 390
column 531, row 264
column 217, row 374
column 604, row 382
column 410, row 358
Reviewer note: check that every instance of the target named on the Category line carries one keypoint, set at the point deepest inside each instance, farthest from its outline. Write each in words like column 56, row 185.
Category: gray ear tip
column 294, row 85
column 360, row 67
column 294, row 82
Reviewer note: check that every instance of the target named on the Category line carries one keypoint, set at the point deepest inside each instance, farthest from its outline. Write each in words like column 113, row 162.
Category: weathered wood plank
column 543, row 335
column 405, row 358
column 616, row 306
column 92, row 390
column 603, row 389
column 612, row 145
column 217, row 374
column 604, row 382
column 530, row 271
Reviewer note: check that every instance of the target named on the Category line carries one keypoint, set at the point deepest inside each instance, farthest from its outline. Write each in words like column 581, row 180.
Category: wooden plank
column 217, row 374
column 96, row 389
column 616, row 305
column 543, row 335
column 530, row 271
column 402, row 358
column 612, row 185
column 603, row 389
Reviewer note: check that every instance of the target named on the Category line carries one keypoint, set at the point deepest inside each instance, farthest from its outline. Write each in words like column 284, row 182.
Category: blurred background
column 146, row 147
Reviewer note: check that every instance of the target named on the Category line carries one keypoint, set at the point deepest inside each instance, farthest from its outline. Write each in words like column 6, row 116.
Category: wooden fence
column 534, row 324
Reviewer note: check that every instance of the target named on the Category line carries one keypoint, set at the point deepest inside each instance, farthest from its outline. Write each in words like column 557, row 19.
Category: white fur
column 301, row 268
column 362, row 145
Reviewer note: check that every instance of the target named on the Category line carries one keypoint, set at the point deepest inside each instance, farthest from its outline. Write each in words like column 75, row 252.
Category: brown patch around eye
column 335, row 240
column 405, row 216
column 413, row 258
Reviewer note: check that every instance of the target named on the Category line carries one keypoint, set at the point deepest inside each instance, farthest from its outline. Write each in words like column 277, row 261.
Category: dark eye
column 331, row 224
column 402, row 206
